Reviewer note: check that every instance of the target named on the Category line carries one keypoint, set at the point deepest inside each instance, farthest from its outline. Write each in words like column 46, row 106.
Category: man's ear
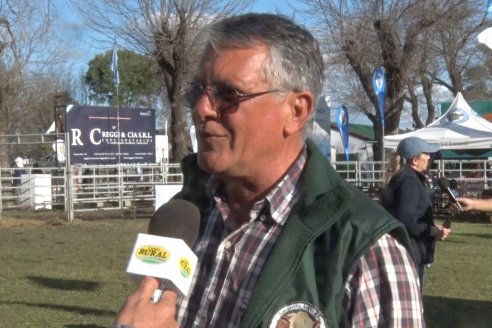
column 301, row 108
column 414, row 160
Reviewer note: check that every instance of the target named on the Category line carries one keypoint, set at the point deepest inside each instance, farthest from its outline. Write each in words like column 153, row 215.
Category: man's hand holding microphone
column 165, row 260
column 140, row 312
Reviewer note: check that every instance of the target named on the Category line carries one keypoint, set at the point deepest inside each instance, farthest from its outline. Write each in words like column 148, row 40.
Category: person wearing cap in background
column 407, row 199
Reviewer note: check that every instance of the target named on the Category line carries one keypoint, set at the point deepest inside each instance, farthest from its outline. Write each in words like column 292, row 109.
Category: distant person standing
column 18, row 171
column 407, row 199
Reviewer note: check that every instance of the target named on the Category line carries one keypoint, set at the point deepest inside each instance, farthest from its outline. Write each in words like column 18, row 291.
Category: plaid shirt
column 382, row 290
column 230, row 260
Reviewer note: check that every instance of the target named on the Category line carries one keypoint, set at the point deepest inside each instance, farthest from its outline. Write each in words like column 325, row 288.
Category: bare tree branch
column 167, row 30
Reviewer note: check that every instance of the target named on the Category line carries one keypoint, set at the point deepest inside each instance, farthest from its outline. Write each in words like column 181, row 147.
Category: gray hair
column 295, row 61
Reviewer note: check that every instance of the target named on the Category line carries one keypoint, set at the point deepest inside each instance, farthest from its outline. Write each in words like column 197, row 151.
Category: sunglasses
column 221, row 96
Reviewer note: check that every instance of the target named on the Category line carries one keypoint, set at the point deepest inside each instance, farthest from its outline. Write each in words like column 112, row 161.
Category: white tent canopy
column 459, row 128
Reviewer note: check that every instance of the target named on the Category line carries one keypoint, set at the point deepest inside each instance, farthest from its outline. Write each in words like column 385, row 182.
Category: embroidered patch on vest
column 298, row 315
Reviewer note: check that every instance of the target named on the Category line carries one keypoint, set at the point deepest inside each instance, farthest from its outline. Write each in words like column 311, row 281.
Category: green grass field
column 55, row 274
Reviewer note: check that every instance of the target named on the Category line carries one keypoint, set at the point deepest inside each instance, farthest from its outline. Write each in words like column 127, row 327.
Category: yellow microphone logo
column 152, row 254
column 185, row 267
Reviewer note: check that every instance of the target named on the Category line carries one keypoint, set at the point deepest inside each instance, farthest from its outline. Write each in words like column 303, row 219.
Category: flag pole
column 379, row 86
column 118, row 120
column 116, row 80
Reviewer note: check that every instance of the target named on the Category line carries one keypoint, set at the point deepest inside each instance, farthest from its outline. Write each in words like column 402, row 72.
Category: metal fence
column 472, row 176
column 84, row 188
column 126, row 187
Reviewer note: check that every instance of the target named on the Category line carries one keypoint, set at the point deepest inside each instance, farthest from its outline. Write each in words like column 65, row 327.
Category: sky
column 273, row 6
column 85, row 47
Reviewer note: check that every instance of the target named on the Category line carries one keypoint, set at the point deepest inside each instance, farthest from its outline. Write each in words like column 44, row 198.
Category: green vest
column 328, row 231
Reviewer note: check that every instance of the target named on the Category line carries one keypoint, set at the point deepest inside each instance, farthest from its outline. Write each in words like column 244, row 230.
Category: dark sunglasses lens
column 190, row 94
column 224, row 96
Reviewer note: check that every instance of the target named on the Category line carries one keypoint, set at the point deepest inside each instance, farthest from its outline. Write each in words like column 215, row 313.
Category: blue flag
column 379, row 86
column 342, row 120
column 114, row 65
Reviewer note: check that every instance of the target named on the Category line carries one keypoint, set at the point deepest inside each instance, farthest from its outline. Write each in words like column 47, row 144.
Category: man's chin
column 210, row 163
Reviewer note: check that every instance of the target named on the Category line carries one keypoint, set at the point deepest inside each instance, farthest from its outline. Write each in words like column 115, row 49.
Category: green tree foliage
column 139, row 83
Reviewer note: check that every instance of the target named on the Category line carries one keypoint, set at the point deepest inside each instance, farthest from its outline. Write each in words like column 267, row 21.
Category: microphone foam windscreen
column 176, row 219
column 443, row 183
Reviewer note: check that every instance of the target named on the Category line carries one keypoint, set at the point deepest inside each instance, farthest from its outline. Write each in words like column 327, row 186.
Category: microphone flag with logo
column 342, row 120
column 379, row 86
column 165, row 251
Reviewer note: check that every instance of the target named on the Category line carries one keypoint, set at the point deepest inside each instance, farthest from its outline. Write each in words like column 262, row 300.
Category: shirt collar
column 279, row 198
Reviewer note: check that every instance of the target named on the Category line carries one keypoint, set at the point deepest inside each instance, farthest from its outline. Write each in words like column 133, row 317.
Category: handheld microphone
column 443, row 184
column 165, row 252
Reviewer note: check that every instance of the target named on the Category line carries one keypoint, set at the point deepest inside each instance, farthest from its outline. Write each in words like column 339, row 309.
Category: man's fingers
column 147, row 286
column 169, row 296
column 138, row 311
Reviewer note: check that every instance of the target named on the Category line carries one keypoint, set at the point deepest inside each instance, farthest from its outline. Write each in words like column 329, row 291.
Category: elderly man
column 283, row 237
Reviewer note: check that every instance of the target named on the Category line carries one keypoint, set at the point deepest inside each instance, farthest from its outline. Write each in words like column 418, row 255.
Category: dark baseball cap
column 413, row 146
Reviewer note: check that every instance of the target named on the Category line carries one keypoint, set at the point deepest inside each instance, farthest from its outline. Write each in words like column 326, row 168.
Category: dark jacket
column 328, row 231
column 407, row 199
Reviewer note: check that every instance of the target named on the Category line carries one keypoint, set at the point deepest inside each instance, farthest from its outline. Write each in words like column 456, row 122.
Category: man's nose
column 204, row 107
